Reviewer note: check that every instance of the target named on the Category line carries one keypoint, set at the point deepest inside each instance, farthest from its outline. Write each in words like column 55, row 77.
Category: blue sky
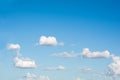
column 86, row 29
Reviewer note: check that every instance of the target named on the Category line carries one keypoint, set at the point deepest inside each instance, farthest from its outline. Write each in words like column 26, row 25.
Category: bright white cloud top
column 49, row 41
column 115, row 66
column 88, row 54
column 13, row 47
column 24, row 63
column 21, row 62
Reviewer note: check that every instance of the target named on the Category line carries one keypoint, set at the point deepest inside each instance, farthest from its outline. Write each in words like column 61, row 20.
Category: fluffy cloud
column 30, row 76
column 19, row 61
column 24, row 63
column 60, row 67
column 115, row 66
column 65, row 54
column 49, row 41
column 15, row 47
column 88, row 54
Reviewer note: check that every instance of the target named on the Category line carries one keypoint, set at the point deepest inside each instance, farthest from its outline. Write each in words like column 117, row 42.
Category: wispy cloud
column 78, row 78
column 60, row 67
column 65, row 54
column 42, row 77
column 30, row 76
column 85, row 69
column 49, row 41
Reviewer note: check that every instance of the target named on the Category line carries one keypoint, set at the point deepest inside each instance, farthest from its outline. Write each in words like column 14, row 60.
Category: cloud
column 30, row 76
column 78, row 78
column 86, row 70
column 88, row 54
column 44, row 78
column 49, row 41
column 24, row 63
column 109, row 74
column 65, row 54
column 12, row 46
column 115, row 66
column 60, row 67
column 21, row 62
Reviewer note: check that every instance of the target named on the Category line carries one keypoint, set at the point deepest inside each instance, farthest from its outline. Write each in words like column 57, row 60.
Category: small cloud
column 65, row 54
column 88, row 54
column 49, row 41
column 12, row 46
column 60, row 67
column 24, row 63
column 30, row 76
column 44, row 77
column 86, row 70
column 78, row 78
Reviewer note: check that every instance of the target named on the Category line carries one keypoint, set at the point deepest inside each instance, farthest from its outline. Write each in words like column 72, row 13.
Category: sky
column 59, row 40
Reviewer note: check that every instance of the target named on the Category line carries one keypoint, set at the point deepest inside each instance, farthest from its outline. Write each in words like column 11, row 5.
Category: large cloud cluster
column 21, row 62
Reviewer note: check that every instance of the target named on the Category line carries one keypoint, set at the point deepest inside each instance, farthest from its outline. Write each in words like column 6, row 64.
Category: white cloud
column 60, row 67
column 30, row 76
column 21, row 62
column 65, row 54
column 88, row 54
column 24, row 63
column 115, row 66
column 15, row 47
column 49, row 41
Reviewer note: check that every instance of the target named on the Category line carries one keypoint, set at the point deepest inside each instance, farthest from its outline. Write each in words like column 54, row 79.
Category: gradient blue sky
column 93, row 24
